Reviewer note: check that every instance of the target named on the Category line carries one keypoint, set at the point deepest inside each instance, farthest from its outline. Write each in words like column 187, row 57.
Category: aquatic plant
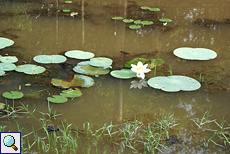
column 30, row 69
column 145, row 7
column 6, row 67
column 68, row 2
column 5, row 42
column 65, row 10
column 117, row 18
column 140, row 69
column 134, row 26
column 123, row 74
column 47, row 59
column 154, row 9
column 13, row 95
column 146, row 22
column 101, row 62
column 71, row 93
column 57, row 99
column 195, row 53
column 8, row 59
column 137, row 21
column 127, row 20
column 135, row 61
column 79, row 54
column 174, row 83
column 165, row 20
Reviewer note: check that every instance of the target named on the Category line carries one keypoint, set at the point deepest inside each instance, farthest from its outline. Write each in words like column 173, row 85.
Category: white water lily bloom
column 140, row 69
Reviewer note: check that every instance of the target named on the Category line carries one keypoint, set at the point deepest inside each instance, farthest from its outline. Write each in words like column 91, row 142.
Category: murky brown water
column 111, row 99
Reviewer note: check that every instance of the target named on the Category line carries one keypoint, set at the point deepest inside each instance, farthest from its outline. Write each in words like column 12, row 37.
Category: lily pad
column 117, row 18
column 87, row 81
column 47, row 59
column 7, row 67
column 165, row 20
column 174, row 83
column 101, row 62
column 78, row 54
column 5, row 42
column 85, row 68
column 30, row 69
column 127, row 20
column 135, row 61
column 2, row 72
column 57, row 99
column 71, row 93
column 65, row 11
column 146, row 22
column 137, row 22
column 154, row 9
column 195, row 53
column 8, row 59
column 134, row 26
column 123, row 74
column 68, row 2
column 13, row 95
column 145, row 7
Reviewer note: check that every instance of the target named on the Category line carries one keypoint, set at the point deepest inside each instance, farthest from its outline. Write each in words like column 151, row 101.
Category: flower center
column 140, row 68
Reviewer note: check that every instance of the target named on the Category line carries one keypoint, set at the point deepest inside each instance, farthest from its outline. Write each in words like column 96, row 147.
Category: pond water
column 37, row 28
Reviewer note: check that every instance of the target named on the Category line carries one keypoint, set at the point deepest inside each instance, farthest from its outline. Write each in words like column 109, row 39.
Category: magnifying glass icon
column 9, row 141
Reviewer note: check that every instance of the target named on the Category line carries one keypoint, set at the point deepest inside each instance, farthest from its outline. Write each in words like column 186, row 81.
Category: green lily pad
column 65, row 11
column 134, row 26
column 135, row 61
column 101, row 62
column 174, row 83
column 2, row 106
column 68, row 2
column 123, row 74
column 165, row 20
column 30, row 69
column 145, row 7
column 127, row 20
column 57, row 99
column 7, row 67
column 195, row 53
column 117, row 18
column 85, row 68
column 5, row 42
column 71, row 93
column 78, row 54
column 47, row 59
column 137, row 22
column 88, row 81
column 146, row 22
column 8, row 59
column 154, row 9
column 13, row 95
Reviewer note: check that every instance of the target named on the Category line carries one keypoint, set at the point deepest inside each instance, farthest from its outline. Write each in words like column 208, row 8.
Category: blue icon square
column 10, row 142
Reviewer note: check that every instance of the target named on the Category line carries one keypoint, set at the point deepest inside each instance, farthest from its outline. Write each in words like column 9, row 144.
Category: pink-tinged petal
column 139, row 64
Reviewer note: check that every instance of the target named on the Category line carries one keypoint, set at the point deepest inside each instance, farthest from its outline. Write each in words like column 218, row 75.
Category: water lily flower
column 138, row 84
column 140, row 69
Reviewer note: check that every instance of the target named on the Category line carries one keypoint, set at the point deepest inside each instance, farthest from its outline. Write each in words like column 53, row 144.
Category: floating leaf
column 134, row 26
column 2, row 106
column 127, row 20
column 2, row 72
column 65, row 11
column 101, row 62
column 88, row 81
column 5, row 42
column 78, row 54
column 154, row 9
column 117, row 18
column 145, row 7
column 8, row 59
column 57, row 99
column 68, row 2
column 137, row 22
column 165, row 20
column 195, row 53
column 30, row 69
column 7, row 67
column 123, row 74
column 135, row 61
column 85, row 68
column 47, row 59
column 71, row 93
column 13, row 95
column 146, row 22
column 174, row 83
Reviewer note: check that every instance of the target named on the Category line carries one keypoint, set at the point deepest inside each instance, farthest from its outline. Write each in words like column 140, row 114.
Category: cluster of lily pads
column 72, row 14
column 138, row 23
